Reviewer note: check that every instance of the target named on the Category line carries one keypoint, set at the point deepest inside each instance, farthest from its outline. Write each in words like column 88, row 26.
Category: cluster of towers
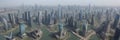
column 80, row 21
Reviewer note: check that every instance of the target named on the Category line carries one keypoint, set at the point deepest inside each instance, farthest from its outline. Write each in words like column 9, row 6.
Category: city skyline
column 12, row 3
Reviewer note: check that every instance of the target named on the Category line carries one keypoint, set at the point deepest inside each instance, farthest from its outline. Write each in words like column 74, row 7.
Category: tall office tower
column 29, row 19
column 70, row 21
column 17, row 18
column 60, row 28
column 55, row 20
column 6, row 27
column 59, row 13
column 108, row 17
column 117, row 29
column 99, row 14
column 102, row 29
column 71, row 24
column 52, row 13
column 117, row 34
column 56, row 15
column 43, row 18
column 74, row 26
column 52, row 17
column 92, row 20
column 84, row 27
column 23, row 16
column 21, row 28
column 39, row 17
column 105, row 26
column 80, row 16
column 26, row 16
column 116, row 20
column 12, row 18
column 66, row 20
column 46, row 19
column 86, row 16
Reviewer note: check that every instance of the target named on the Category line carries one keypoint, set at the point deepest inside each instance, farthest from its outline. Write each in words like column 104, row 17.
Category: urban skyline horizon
column 13, row 3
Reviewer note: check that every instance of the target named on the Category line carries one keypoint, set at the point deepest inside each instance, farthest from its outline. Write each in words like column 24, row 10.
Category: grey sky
column 4, row 3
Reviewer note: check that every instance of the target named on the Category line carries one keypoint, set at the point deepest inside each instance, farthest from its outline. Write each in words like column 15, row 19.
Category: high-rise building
column 21, row 28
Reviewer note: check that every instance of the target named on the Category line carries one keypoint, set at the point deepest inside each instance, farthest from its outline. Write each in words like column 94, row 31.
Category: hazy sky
column 6, row 3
